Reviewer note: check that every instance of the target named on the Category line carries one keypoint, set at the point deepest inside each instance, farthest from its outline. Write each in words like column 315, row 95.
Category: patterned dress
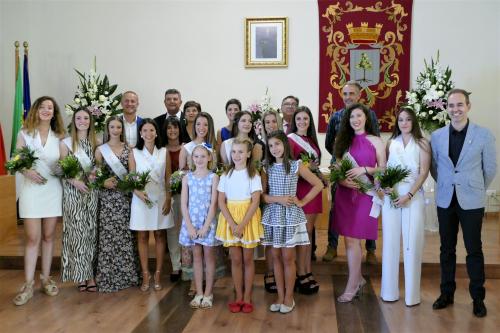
column 79, row 238
column 117, row 261
column 283, row 226
column 200, row 192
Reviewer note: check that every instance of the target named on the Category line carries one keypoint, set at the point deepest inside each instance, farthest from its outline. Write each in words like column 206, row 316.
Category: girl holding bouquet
column 404, row 217
column 355, row 214
column 40, row 193
column 150, row 209
column 303, row 141
column 79, row 238
column 117, row 261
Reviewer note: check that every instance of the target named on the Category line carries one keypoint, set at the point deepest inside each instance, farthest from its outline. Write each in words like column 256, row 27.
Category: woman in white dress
column 405, row 216
column 40, row 201
column 149, row 156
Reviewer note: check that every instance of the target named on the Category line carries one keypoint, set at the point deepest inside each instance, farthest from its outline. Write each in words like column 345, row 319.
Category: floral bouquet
column 24, row 159
column 428, row 99
column 97, row 177
column 310, row 162
column 387, row 179
column 68, row 168
column 95, row 93
column 136, row 181
column 339, row 170
column 257, row 109
column 176, row 182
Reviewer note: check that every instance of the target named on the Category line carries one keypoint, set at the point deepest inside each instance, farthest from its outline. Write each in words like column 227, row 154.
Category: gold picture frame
column 266, row 42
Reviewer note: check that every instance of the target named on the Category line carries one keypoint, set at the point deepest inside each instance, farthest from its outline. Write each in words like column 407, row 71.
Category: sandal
column 157, row 281
column 270, row 283
column 207, row 302
column 304, row 286
column 196, row 302
column 25, row 294
column 82, row 287
column 49, row 286
column 146, row 278
column 312, row 280
column 91, row 289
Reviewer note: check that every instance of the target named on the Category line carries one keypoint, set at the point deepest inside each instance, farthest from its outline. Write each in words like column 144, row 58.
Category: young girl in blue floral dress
column 198, row 204
column 240, row 225
column 283, row 219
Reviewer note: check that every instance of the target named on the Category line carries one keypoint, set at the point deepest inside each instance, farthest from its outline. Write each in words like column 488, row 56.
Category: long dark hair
column 287, row 153
column 210, row 138
column 237, row 118
column 174, row 121
column 250, row 163
column 311, row 130
column 416, row 132
column 140, row 140
column 184, row 135
column 346, row 132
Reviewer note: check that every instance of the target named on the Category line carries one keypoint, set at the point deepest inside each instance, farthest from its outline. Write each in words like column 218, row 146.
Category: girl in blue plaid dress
column 283, row 219
column 198, row 204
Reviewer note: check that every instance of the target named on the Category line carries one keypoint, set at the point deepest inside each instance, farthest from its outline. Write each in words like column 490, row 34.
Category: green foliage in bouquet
column 339, row 170
column 24, row 159
column 386, row 180
column 68, row 168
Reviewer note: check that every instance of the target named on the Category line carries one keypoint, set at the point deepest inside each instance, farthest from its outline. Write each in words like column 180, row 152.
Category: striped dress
column 79, row 239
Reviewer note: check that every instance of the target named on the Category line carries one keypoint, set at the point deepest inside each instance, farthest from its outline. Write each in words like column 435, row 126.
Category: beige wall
column 197, row 47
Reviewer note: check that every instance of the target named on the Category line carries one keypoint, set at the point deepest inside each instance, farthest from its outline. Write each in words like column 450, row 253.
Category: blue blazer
column 476, row 167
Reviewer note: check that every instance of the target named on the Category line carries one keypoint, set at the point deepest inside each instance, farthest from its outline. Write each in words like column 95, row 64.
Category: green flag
column 17, row 120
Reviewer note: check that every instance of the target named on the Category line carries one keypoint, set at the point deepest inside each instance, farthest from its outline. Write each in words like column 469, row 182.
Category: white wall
column 198, row 47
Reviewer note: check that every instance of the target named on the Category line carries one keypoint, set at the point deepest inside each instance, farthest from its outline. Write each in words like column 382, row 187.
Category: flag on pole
column 3, row 158
column 26, row 83
column 17, row 119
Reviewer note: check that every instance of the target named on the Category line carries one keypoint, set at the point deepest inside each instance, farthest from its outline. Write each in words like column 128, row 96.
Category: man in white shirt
column 288, row 107
column 173, row 102
column 130, row 102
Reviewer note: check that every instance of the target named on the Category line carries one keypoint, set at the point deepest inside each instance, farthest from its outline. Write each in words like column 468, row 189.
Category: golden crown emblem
column 363, row 34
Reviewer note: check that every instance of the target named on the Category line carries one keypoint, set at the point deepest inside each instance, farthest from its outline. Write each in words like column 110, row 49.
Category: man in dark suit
column 130, row 103
column 463, row 165
column 173, row 103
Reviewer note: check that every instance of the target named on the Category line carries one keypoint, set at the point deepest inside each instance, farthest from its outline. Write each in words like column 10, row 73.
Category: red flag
column 3, row 158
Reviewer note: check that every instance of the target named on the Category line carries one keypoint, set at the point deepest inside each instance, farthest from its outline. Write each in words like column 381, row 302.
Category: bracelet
column 366, row 171
column 410, row 195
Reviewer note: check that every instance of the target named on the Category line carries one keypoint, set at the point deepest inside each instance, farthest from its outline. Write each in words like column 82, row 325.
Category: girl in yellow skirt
column 239, row 226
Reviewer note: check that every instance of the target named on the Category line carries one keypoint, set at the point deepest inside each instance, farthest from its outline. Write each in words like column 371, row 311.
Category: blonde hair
column 250, row 163
column 210, row 152
column 33, row 120
column 90, row 130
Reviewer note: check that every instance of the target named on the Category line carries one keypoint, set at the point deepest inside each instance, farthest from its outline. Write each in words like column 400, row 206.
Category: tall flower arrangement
column 257, row 109
column 96, row 94
column 428, row 99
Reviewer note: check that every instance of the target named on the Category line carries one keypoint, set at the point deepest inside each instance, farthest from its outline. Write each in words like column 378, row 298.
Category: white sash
column 376, row 201
column 80, row 154
column 304, row 145
column 151, row 162
column 113, row 161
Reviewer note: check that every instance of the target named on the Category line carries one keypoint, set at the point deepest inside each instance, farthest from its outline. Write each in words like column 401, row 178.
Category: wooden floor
column 168, row 311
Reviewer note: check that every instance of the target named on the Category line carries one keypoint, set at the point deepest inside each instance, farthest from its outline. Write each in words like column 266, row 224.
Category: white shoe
column 275, row 307
column 287, row 309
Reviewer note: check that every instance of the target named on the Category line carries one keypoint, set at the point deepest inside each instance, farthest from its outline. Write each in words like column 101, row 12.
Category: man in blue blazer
column 463, row 165
column 131, row 121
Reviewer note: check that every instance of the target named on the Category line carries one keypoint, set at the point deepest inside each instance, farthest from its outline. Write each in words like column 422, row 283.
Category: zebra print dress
column 79, row 239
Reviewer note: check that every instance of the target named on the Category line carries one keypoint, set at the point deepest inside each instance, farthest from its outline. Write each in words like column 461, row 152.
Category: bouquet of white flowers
column 96, row 94
column 257, row 109
column 428, row 99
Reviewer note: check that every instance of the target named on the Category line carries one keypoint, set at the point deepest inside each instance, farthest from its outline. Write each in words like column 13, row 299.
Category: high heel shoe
column 146, row 279
column 348, row 297
column 304, row 286
column 157, row 281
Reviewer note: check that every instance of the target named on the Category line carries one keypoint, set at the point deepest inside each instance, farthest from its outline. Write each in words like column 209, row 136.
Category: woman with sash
column 117, row 260
column 150, row 209
column 303, row 141
column 40, row 193
column 356, row 213
column 79, row 238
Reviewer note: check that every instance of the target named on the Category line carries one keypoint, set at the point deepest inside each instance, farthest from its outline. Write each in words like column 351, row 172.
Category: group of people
column 265, row 195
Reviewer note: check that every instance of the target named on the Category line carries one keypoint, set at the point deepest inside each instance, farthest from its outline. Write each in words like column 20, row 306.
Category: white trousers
column 174, row 249
column 408, row 223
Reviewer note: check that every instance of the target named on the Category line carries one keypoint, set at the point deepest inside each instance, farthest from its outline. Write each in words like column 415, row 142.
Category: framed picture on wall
column 266, row 42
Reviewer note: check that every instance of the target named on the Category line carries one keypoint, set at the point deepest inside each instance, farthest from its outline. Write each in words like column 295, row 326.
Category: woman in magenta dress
column 303, row 141
column 355, row 214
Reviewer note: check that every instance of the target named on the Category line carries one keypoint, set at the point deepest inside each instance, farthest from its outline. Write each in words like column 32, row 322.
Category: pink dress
column 352, row 208
column 315, row 206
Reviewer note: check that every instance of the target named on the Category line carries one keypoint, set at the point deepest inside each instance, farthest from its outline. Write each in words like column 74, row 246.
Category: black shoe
column 175, row 276
column 479, row 309
column 442, row 302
